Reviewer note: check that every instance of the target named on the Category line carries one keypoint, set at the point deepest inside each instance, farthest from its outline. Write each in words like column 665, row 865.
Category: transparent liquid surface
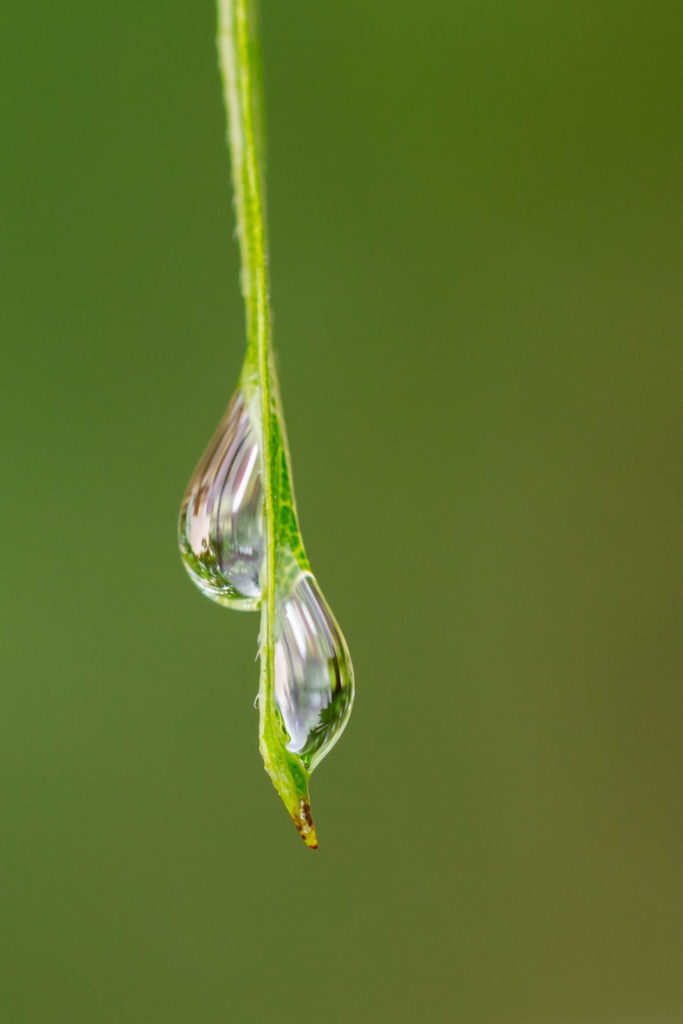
column 221, row 531
column 222, row 543
column 313, row 672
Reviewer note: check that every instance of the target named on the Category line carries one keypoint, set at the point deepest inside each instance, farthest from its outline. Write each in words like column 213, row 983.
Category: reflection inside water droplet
column 221, row 519
column 313, row 670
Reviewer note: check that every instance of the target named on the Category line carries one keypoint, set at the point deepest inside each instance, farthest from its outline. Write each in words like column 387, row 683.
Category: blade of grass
column 240, row 60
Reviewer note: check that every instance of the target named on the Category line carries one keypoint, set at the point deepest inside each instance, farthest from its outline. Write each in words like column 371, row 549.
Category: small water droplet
column 221, row 519
column 313, row 672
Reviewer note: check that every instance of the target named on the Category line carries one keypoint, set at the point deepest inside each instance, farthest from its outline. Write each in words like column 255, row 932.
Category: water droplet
column 221, row 519
column 313, row 671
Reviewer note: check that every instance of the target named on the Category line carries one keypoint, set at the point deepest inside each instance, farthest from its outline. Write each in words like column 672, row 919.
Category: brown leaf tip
column 305, row 825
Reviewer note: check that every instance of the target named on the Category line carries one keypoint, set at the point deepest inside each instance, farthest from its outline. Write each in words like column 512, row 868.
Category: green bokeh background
column 475, row 226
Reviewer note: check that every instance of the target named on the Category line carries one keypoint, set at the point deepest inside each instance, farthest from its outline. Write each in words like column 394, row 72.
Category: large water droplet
column 221, row 519
column 313, row 671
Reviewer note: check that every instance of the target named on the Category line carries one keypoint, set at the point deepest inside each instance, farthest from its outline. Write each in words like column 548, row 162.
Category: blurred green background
column 475, row 252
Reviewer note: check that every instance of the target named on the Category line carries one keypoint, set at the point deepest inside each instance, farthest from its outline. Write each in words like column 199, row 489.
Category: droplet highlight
column 313, row 673
column 221, row 528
